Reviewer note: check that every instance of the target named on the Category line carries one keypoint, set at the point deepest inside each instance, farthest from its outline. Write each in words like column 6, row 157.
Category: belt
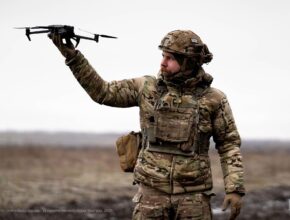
column 168, row 147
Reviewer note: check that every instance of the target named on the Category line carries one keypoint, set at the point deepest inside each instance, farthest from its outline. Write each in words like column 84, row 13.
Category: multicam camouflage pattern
column 181, row 42
column 153, row 204
column 186, row 43
column 174, row 173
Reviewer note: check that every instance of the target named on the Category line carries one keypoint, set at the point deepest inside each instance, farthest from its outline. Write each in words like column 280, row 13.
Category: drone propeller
column 27, row 31
column 21, row 27
column 98, row 35
column 106, row 36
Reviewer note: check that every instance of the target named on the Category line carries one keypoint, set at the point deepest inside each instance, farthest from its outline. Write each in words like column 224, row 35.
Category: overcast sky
column 249, row 40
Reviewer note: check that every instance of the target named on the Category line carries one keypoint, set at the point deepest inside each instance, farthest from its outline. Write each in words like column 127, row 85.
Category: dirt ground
column 87, row 183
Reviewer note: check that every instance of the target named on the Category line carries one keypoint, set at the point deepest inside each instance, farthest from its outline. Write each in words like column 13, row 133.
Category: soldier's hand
column 235, row 202
column 67, row 49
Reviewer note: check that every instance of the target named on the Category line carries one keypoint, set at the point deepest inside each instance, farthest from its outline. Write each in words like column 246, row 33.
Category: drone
column 65, row 31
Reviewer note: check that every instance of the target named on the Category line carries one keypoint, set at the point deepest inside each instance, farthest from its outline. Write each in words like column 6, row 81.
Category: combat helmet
column 187, row 44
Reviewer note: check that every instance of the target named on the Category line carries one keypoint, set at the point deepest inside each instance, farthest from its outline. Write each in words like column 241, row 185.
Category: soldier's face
column 169, row 65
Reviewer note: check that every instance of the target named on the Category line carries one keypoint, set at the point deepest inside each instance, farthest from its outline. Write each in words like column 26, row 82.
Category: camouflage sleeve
column 123, row 93
column 228, row 143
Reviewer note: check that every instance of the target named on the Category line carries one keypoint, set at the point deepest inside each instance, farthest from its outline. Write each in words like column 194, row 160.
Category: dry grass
column 35, row 175
column 59, row 175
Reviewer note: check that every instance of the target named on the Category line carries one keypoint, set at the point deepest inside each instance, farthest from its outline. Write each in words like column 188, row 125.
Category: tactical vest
column 173, row 128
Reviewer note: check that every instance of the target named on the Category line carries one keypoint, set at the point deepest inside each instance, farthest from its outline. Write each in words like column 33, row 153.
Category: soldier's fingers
column 234, row 213
column 225, row 204
column 56, row 39
column 69, row 43
column 53, row 37
column 49, row 36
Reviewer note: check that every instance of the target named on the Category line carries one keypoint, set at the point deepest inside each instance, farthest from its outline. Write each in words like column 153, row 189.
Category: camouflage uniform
column 173, row 167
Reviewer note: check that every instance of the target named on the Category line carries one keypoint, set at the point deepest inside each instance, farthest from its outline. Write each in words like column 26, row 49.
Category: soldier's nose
column 163, row 63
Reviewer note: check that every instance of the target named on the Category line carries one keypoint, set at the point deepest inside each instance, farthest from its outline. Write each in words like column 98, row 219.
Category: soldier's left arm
column 227, row 139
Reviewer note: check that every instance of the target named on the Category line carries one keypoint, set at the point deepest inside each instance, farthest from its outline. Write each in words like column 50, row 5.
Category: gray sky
column 249, row 40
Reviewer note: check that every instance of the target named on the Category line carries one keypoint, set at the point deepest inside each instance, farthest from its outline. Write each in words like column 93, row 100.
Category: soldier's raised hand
column 235, row 202
column 67, row 49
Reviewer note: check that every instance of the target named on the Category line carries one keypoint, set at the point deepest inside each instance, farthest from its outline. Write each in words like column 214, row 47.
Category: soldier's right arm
column 123, row 93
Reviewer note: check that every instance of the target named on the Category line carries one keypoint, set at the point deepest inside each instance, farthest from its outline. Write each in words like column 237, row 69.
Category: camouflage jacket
column 174, row 173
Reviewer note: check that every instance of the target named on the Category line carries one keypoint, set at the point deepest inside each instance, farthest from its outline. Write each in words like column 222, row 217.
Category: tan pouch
column 128, row 147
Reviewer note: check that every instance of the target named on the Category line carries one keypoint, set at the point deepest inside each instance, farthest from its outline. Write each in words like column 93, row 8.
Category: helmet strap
column 188, row 65
column 184, row 63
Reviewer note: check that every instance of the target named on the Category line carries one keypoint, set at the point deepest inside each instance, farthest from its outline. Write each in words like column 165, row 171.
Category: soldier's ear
column 179, row 58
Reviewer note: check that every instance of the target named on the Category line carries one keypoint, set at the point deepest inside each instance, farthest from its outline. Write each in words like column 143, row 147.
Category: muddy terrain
column 87, row 183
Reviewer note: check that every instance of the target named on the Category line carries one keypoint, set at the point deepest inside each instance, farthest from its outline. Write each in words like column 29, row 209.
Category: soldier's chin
column 166, row 74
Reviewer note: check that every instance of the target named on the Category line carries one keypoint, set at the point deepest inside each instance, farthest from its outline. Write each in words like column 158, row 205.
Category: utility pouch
column 128, row 147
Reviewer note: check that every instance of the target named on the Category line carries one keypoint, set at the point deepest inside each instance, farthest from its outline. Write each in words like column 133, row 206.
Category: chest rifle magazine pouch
column 128, row 147
column 174, row 120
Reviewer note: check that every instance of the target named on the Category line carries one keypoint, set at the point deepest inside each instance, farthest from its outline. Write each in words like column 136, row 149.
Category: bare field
column 87, row 183
column 31, row 175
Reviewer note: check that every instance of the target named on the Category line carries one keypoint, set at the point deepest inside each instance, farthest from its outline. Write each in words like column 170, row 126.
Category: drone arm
column 39, row 32
column 87, row 38
column 28, row 32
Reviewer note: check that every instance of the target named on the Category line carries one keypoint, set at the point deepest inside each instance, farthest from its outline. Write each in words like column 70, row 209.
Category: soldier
column 179, row 113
